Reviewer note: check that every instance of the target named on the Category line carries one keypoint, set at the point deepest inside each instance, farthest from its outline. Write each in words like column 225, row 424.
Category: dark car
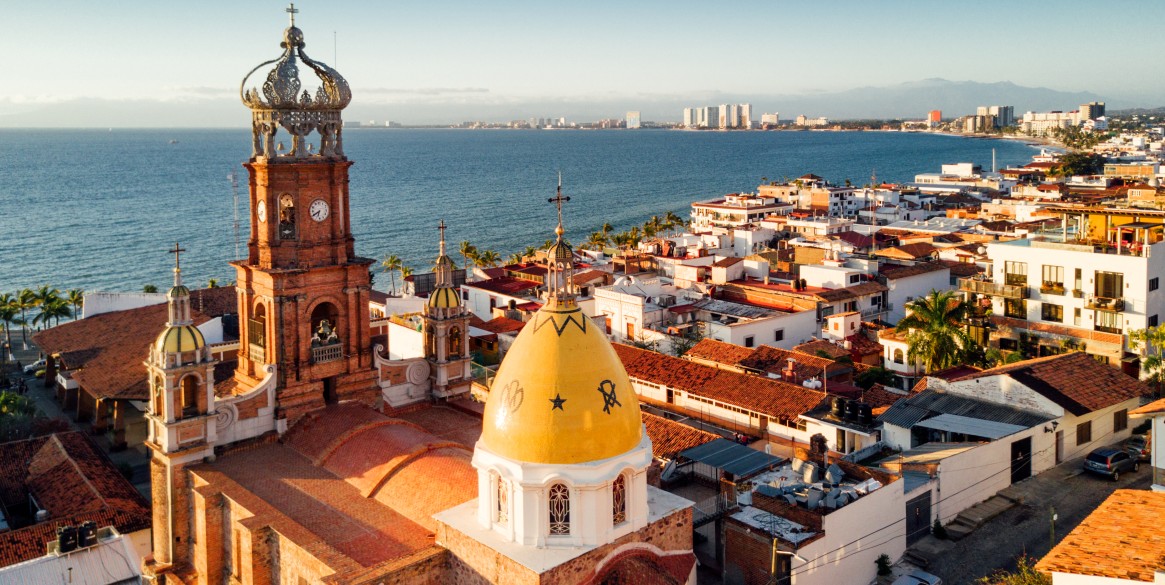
column 1139, row 447
column 1110, row 461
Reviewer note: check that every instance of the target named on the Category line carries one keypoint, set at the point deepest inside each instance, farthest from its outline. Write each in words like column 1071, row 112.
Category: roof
column 718, row 351
column 726, row 262
column 587, row 276
column 72, row 479
column 730, row 457
column 1120, row 539
column 774, row 398
column 962, row 269
column 320, row 488
column 105, row 563
column 929, row 403
column 908, row 251
column 896, row 272
column 106, row 351
column 506, row 285
column 502, row 325
column 1155, row 407
column 971, row 426
column 669, row 437
column 825, row 346
column 769, row 359
column 852, row 292
column 1075, row 381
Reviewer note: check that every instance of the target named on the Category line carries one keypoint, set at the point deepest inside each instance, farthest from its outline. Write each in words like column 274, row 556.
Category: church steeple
column 178, row 297
column 446, row 325
column 560, row 258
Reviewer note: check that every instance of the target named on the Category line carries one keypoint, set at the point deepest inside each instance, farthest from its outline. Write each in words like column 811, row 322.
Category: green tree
column 935, row 330
column 76, row 298
column 869, row 377
column 515, row 258
column 1025, row 574
column 1151, row 343
column 52, row 311
column 680, row 344
column 8, row 312
column 468, row 252
column 212, row 283
column 391, row 264
column 405, row 272
column 25, row 300
column 1079, row 163
column 149, row 288
column 488, row 259
column 596, row 241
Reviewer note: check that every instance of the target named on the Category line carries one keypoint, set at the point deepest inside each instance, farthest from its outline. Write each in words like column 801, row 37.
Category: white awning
column 974, row 427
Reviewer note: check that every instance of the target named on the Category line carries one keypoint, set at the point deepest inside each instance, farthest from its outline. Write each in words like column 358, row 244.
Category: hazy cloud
column 423, row 90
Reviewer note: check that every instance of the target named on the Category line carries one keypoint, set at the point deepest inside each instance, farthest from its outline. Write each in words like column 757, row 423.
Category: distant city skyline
column 177, row 64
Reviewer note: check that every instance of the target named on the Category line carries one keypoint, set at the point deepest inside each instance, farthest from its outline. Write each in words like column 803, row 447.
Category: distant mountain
column 913, row 99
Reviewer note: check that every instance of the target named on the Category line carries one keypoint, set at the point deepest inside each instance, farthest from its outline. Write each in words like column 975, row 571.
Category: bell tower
column 303, row 293
column 446, row 324
column 181, row 421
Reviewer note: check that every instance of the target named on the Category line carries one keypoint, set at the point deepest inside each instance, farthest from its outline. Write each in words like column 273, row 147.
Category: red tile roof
column 909, row 251
column 726, row 262
column 1075, row 381
column 1155, row 407
column 669, row 437
column 768, row 359
column 502, row 325
column 896, row 272
column 774, row 398
column 71, row 479
column 718, row 351
column 506, row 285
column 1120, row 539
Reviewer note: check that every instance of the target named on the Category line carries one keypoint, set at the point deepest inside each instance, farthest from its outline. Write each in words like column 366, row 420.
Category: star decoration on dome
column 607, row 389
column 557, row 400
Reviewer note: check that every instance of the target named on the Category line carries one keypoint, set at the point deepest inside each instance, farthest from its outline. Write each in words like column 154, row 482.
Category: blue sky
column 469, row 54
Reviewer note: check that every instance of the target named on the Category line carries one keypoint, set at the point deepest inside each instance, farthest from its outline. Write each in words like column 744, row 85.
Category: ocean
column 97, row 209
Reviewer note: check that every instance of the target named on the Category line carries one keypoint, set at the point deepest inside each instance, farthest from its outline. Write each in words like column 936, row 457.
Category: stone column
column 119, row 442
column 86, row 406
column 100, row 422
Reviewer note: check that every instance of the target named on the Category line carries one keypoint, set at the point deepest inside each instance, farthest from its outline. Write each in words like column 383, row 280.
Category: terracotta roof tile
column 1075, row 381
column 506, row 285
column 718, row 351
column 896, row 272
column 774, row 398
column 1155, row 407
column 1121, row 539
column 502, row 325
column 767, row 359
column 908, row 251
column 669, row 437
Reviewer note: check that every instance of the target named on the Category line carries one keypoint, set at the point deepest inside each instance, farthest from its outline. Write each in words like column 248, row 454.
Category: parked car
column 1139, row 446
column 34, row 366
column 1110, row 461
column 917, row 577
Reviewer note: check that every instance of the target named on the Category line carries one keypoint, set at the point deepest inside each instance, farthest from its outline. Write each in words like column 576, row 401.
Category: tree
column 1025, row 574
column 405, row 272
column 1152, row 342
column 1079, row 163
column 488, row 259
column 391, row 264
column 680, row 344
column 468, row 252
column 596, row 241
column 212, row 283
column 868, row 378
column 515, row 258
column 8, row 316
column 935, row 330
column 25, row 300
column 76, row 298
column 149, row 288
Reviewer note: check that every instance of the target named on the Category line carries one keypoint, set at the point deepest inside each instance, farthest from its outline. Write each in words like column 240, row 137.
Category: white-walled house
column 906, row 283
column 483, row 296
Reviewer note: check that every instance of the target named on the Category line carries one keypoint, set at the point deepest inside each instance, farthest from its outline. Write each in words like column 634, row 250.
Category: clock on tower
column 303, row 292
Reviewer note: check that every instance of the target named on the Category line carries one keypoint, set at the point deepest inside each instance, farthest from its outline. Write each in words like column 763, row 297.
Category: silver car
column 917, row 577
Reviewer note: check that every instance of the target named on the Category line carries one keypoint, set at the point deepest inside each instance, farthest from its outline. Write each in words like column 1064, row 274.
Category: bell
column 280, row 146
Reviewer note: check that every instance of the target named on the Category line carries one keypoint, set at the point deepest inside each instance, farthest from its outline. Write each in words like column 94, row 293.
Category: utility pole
column 1053, row 524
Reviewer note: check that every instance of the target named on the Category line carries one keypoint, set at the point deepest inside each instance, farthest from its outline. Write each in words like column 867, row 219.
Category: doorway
column 917, row 518
column 1021, row 459
column 1059, row 447
column 330, row 394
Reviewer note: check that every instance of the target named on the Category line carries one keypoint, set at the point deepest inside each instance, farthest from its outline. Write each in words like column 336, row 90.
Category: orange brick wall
column 747, row 555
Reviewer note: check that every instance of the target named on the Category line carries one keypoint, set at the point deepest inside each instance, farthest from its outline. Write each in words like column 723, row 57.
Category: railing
column 987, row 287
column 860, row 454
column 712, row 508
column 1113, row 304
column 327, row 353
column 1052, row 289
column 873, row 310
column 257, row 353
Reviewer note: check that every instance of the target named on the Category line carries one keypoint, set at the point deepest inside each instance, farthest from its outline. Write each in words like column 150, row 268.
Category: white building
column 906, row 283
column 772, row 119
column 733, row 210
column 633, row 121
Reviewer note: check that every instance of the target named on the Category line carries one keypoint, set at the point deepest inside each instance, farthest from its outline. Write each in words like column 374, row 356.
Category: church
column 294, row 468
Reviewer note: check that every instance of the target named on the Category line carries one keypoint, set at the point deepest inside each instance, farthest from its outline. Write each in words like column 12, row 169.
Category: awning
column 734, row 458
column 975, row 427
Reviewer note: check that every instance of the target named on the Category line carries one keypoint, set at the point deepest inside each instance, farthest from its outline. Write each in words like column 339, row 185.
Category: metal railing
column 1113, row 304
column 327, row 353
column 995, row 289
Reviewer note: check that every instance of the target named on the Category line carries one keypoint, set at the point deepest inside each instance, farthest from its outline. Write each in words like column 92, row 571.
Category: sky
column 420, row 61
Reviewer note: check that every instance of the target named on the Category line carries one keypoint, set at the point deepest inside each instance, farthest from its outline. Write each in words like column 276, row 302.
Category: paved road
column 1026, row 528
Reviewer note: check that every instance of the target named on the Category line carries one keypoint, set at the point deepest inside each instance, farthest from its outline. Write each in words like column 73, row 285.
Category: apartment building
column 734, row 210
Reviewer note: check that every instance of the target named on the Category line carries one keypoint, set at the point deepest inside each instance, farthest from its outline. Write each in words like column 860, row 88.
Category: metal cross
column 292, row 11
column 441, row 228
column 177, row 251
column 559, row 199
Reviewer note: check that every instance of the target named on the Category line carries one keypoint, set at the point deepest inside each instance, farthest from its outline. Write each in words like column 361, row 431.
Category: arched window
column 454, row 343
column 559, row 503
column 159, row 400
column 898, row 357
column 619, row 499
column 286, row 217
column 501, row 499
column 189, row 394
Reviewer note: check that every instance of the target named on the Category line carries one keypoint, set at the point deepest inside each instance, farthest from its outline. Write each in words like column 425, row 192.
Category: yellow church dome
column 180, row 338
column 561, row 394
column 444, row 298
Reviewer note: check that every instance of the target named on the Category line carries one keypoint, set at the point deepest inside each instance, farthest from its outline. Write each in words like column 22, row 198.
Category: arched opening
column 501, row 499
column 454, row 343
column 899, row 357
column 257, row 334
column 188, row 392
column 287, row 217
column 159, row 396
column 325, row 334
column 559, row 504
column 619, row 499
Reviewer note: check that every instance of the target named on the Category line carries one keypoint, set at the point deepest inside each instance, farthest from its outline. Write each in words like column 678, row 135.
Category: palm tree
column 597, row 241
column 468, row 251
column 76, row 298
column 52, row 311
column 405, row 272
column 1152, row 340
column 8, row 313
column 25, row 300
column 149, row 288
column 391, row 264
column 488, row 259
column 515, row 258
column 935, row 330
column 606, row 229
column 212, row 283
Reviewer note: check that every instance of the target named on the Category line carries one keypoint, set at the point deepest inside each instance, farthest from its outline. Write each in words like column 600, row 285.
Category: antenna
column 233, row 177
column 992, row 160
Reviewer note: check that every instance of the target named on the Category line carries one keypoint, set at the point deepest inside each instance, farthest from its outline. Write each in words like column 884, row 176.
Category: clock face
column 261, row 211
column 318, row 210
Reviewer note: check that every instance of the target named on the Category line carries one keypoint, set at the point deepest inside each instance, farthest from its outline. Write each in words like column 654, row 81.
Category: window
column 1015, row 273
column 1108, row 322
column 1079, row 280
column 899, row 357
column 1110, row 285
column 189, row 386
column 1154, row 283
column 1050, row 312
column 1015, row 308
column 1053, row 279
column 559, row 504
column 876, row 301
column 1120, row 420
column 855, row 278
column 454, row 343
column 1076, row 316
column 619, row 500
column 1152, row 320
column 749, row 341
column 779, row 335
column 851, row 306
column 1084, row 433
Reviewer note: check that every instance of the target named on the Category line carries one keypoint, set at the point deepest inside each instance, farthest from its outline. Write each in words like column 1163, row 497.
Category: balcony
column 327, row 353
column 1052, row 288
column 1099, row 303
column 987, row 287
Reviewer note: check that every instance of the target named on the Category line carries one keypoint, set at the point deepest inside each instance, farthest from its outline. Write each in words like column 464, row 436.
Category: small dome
column 561, row 395
column 444, row 298
column 179, row 339
column 178, row 291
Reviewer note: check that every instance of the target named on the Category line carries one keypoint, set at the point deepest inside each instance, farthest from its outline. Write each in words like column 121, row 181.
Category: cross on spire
column 441, row 228
column 177, row 252
column 558, row 200
column 292, row 11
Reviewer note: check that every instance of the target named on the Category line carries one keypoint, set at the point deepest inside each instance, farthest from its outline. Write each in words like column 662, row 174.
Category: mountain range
column 910, row 100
